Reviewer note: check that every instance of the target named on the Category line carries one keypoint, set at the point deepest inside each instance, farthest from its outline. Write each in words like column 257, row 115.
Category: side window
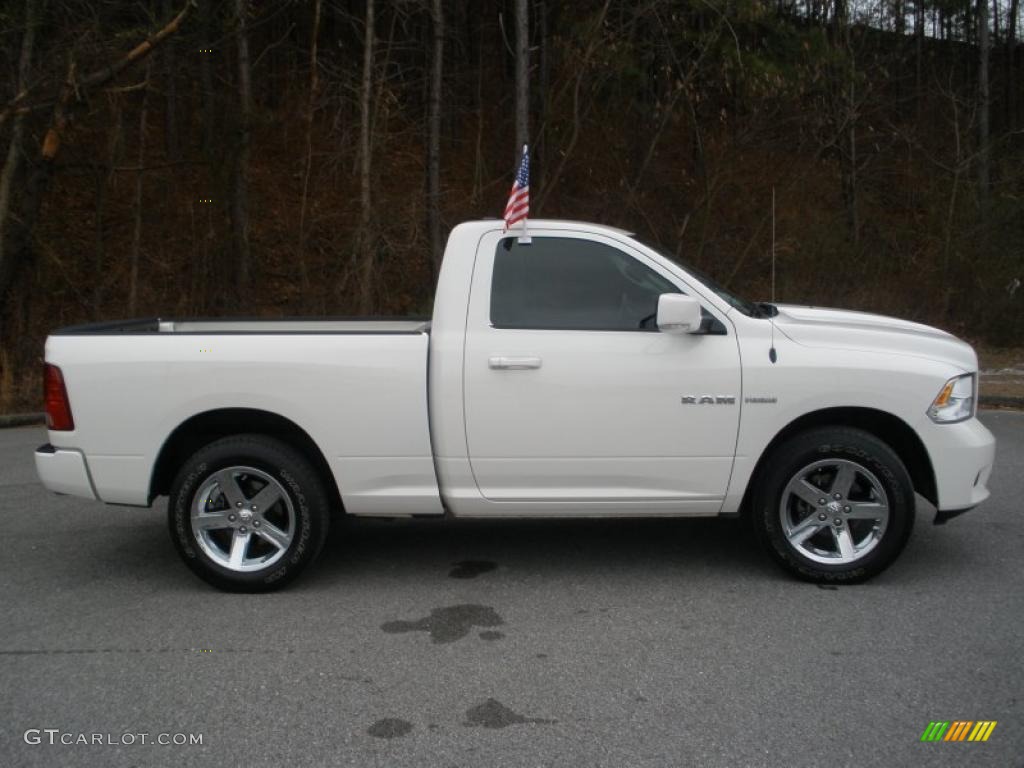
column 572, row 284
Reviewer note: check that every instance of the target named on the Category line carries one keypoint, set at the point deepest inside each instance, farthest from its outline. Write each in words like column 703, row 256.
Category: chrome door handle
column 513, row 363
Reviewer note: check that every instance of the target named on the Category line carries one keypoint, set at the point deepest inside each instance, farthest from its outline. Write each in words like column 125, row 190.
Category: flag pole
column 524, row 237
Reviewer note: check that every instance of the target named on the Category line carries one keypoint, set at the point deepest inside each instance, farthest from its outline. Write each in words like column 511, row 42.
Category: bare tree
column 207, row 35
column 1010, row 59
column 919, row 21
column 846, row 114
column 171, row 143
column 522, row 75
column 984, row 52
column 15, row 149
column 240, row 185
column 133, row 277
column 314, row 87
column 72, row 93
column 434, row 149
column 366, row 241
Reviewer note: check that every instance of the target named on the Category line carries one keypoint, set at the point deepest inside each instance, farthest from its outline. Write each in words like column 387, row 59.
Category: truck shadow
column 466, row 549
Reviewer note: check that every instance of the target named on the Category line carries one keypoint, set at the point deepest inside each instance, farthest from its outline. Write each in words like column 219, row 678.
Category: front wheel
column 834, row 505
column 247, row 513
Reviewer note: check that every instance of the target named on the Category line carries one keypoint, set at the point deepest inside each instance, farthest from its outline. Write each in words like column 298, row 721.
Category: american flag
column 518, row 207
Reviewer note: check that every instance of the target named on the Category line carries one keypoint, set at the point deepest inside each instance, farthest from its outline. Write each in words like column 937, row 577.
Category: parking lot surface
column 506, row 643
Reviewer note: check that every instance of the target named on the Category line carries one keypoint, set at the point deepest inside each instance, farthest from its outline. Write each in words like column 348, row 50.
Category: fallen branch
column 107, row 73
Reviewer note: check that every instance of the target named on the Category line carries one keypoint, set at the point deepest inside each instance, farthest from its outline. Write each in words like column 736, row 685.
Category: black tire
column 303, row 509
column 847, row 446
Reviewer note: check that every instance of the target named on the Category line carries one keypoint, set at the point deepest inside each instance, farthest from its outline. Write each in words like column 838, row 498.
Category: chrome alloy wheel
column 242, row 518
column 834, row 511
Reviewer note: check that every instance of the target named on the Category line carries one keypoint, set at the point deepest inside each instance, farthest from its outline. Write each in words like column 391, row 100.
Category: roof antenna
column 772, row 355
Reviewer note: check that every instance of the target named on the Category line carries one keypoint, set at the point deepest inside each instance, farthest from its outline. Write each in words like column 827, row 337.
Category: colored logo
column 958, row 730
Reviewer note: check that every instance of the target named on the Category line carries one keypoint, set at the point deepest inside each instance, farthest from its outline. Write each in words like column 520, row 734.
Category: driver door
column 574, row 401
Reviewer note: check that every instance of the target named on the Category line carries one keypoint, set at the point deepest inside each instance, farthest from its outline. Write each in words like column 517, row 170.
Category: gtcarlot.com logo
column 56, row 736
column 958, row 730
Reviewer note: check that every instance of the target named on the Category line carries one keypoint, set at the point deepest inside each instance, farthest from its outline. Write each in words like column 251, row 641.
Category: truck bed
column 356, row 388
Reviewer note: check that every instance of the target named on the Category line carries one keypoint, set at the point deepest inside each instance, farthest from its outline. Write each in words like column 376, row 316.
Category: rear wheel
column 834, row 505
column 248, row 513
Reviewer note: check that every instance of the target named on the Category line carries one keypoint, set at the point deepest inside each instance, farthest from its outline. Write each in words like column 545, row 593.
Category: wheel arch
column 890, row 429
column 204, row 428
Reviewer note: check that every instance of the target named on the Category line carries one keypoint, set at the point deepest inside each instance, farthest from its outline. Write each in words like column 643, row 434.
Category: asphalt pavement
column 505, row 643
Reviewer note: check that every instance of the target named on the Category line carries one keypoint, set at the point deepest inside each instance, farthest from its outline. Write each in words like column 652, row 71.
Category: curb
column 21, row 419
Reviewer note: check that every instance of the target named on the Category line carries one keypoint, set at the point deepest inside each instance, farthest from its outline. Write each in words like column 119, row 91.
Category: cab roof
column 568, row 224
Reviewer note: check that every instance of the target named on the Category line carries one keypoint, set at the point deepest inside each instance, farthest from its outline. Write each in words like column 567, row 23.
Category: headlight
column 955, row 402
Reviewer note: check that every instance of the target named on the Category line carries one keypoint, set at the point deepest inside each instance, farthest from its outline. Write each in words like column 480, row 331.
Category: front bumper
column 962, row 457
column 64, row 471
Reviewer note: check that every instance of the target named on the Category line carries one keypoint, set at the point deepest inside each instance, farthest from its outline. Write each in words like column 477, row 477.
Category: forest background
column 307, row 157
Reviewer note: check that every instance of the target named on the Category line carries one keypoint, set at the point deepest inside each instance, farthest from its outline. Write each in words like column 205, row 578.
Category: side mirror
column 678, row 313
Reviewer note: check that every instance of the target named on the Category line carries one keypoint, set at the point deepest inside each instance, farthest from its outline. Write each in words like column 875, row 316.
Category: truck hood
column 863, row 331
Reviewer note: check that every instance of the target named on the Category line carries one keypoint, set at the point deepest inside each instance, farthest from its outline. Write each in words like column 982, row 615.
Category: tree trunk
column 206, row 80
column 171, row 143
column 539, row 153
column 848, row 113
column 104, row 179
column 984, row 51
column 1011, row 70
column 367, row 244
column 314, row 86
column 838, row 15
column 15, row 150
column 479, row 171
column 133, row 278
column 522, row 75
column 434, row 150
column 240, row 186
column 918, row 53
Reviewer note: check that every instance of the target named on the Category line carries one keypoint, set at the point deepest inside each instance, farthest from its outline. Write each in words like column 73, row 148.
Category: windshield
column 748, row 308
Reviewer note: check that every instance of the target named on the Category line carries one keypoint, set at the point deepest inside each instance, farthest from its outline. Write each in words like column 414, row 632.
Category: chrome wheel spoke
column 805, row 529
column 844, row 542
column 807, row 492
column 229, row 486
column 211, row 521
column 239, row 546
column 866, row 510
column 266, row 498
column 273, row 534
column 843, row 481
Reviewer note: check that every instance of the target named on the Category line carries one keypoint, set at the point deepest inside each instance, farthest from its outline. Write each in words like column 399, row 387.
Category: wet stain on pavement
column 446, row 625
column 470, row 569
column 389, row 728
column 491, row 635
column 493, row 714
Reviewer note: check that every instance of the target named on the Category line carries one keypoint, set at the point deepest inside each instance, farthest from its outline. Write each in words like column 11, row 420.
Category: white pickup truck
column 582, row 374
